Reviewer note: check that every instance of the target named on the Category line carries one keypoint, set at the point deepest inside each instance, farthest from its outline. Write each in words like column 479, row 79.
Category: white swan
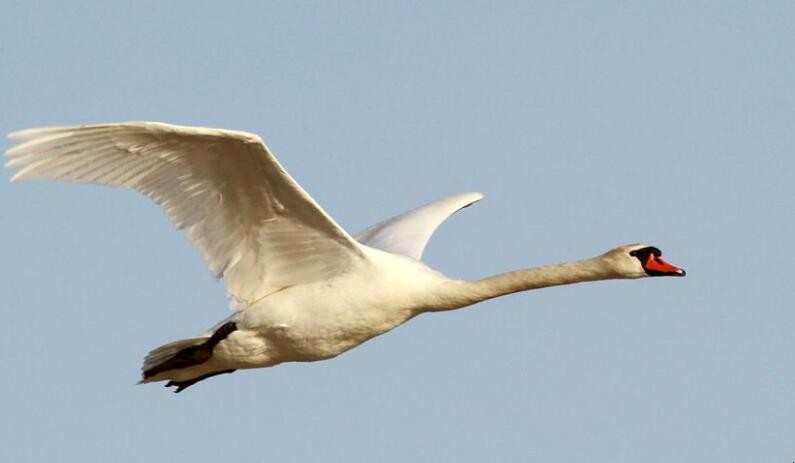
column 302, row 288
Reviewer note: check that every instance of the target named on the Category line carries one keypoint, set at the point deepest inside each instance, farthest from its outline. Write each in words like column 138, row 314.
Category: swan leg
column 182, row 385
column 193, row 355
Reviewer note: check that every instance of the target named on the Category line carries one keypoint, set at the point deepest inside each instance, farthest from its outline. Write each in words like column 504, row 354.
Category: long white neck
column 459, row 293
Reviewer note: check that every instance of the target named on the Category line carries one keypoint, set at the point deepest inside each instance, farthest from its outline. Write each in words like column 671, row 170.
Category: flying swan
column 301, row 288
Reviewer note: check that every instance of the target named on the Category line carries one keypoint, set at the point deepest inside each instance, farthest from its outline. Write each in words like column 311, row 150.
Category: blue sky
column 586, row 124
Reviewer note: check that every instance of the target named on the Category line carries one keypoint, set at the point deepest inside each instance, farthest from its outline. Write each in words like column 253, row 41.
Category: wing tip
column 471, row 197
column 18, row 134
column 36, row 132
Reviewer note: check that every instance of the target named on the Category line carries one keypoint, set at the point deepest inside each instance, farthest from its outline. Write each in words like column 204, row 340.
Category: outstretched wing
column 408, row 233
column 252, row 223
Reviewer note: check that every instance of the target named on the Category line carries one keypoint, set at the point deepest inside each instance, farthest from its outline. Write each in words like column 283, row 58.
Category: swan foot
column 193, row 355
column 182, row 385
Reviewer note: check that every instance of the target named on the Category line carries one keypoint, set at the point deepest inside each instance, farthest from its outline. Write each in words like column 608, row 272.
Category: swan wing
column 408, row 233
column 254, row 225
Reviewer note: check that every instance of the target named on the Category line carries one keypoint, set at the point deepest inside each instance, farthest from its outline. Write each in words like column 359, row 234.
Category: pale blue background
column 586, row 124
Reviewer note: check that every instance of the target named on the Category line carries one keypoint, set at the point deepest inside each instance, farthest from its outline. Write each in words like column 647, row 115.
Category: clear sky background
column 586, row 124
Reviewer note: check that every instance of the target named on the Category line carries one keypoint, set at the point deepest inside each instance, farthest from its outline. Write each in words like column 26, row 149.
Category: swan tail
column 185, row 362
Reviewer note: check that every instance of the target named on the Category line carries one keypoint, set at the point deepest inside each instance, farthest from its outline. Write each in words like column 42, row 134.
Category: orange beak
column 657, row 264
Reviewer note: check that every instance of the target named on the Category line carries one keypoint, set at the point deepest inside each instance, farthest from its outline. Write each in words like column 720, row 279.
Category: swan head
column 641, row 260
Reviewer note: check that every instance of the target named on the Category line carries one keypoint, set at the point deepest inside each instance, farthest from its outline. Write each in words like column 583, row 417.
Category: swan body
column 301, row 288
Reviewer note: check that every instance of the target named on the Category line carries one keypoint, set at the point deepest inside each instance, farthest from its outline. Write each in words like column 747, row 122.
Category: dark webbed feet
column 182, row 385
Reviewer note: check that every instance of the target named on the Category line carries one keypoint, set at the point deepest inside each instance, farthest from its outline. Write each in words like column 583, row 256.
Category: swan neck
column 470, row 292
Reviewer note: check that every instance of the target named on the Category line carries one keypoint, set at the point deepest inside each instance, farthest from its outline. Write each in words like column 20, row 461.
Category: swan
column 301, row 288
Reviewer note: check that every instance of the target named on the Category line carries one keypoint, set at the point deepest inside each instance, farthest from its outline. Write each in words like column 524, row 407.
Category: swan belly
column 319, row 331
column 324, row 319
column 266, row 335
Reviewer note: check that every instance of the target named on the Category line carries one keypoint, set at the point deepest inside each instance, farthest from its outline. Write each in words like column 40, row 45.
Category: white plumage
column 303, row 289
column 253, row 224
column 408, row 233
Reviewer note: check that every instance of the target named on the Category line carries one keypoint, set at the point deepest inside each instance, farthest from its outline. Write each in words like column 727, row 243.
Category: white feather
column 408, row 233
column 304, row 288
column 254, row 225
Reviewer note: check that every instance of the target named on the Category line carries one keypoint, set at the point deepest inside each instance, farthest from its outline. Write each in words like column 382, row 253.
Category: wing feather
column 252, row 223
column 408, row 233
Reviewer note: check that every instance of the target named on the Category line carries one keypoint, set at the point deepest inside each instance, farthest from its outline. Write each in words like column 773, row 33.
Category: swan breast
column 324, row 319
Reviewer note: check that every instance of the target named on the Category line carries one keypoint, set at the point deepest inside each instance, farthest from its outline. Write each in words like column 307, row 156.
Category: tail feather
column 187, row 361
column 166, row 352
